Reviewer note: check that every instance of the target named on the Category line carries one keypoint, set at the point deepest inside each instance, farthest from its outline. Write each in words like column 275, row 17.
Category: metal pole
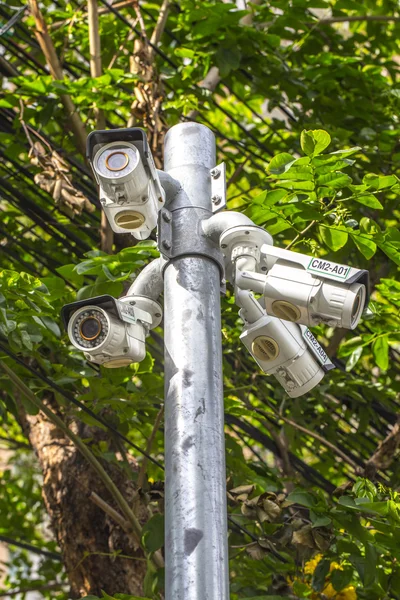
column 195, row 512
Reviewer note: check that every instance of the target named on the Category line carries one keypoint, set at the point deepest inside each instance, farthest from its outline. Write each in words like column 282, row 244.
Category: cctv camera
column 307, row 290
column 109, row 331
column 288, row 351
column 293, row 294
column 130, row 191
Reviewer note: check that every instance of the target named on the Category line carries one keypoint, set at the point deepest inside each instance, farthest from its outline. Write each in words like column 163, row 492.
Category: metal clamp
column 218, row 187
column 180, row 234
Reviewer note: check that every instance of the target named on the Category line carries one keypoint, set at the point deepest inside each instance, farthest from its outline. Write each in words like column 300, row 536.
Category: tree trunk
column 92, row 543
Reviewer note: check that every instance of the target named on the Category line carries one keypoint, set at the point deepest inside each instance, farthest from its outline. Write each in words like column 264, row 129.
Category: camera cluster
column 280, row 293
column 295, row 291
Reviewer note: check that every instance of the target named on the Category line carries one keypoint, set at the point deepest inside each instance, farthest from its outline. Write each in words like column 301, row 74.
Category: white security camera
column 305, row 289
column 288, row 351
column 294, row 294
column 111, row 332
column 130, row 191
column 311, row 290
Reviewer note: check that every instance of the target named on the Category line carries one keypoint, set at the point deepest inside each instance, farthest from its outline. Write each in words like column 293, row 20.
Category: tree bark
column 94, row 547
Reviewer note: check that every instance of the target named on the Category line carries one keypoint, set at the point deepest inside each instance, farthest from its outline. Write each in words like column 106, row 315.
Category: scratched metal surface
column 196, row 526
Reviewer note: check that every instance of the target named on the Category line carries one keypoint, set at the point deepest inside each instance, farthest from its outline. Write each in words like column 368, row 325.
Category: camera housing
column 310, row 290
column 111, row 332
column 130, row 191
column 288, row 351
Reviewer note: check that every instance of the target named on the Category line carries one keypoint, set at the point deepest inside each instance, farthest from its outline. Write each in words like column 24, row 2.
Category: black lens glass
column 90, row 328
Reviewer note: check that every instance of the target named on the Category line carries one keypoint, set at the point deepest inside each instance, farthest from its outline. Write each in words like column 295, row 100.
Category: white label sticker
column 315, row 347
column 318, row 265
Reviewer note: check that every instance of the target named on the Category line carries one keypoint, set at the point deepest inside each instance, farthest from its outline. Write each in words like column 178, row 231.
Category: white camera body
column 294, row 294
column 300, row 288
column 111, row 332
column 288, row 351
column 310, row 290
column 130, row 191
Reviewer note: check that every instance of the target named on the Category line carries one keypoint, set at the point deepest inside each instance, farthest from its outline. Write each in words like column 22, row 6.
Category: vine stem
column 103, row 475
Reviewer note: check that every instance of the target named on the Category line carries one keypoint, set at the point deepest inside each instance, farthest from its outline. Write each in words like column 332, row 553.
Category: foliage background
column 313, row 501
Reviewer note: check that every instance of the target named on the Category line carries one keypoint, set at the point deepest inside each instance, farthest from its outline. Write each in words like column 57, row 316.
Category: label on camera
column 127, row 313
column 328, row 268
column 315, row 347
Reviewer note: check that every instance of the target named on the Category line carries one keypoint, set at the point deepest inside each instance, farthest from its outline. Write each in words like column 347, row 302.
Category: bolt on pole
column 195, row 504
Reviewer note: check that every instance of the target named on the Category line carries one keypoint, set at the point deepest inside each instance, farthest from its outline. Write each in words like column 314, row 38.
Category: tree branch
column 106, row 233
column 117, row 6
column 111, row 512
column 47, row 47
column 352, row 19
column 159, row 27
column 298, row 236
column 322, row 440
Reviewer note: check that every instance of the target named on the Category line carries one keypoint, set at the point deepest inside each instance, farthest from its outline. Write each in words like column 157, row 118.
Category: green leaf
column 380, row 349
column 368, row 200
column 307, row 142
column 354, row 358
column 298, row 185
column 340, row 578
column 321, row 522
column 185, row 52
column 314, row 142
column 371, row 558
column 334, row 156
column 280, row 163
column 51, row 325
column 150, row 579
column 336, row 180
column 302, row 590
column 319, row 575
column 269, row 198
column 366, row 246
column 379, row 182
column 333, row 238
column 153, row 533
column 303, row 498
column 228, row 59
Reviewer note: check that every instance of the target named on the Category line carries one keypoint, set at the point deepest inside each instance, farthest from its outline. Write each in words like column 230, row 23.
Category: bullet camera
column 288, row 351
column 310, row 290
column 111, row 332
column 130, row 191
column 296, row 287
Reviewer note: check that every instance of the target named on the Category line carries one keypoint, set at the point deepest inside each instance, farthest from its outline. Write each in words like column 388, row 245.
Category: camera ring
column 113, row 154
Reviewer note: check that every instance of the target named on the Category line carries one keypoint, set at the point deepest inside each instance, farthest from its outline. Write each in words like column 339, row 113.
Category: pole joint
column 180, row 233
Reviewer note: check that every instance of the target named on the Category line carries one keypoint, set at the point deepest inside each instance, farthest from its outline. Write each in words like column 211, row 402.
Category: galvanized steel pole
column 195, row 502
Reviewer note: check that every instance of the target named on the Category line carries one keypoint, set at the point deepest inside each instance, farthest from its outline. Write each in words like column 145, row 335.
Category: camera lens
column 116, row 161
column 90, row 328
column 358, row 306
